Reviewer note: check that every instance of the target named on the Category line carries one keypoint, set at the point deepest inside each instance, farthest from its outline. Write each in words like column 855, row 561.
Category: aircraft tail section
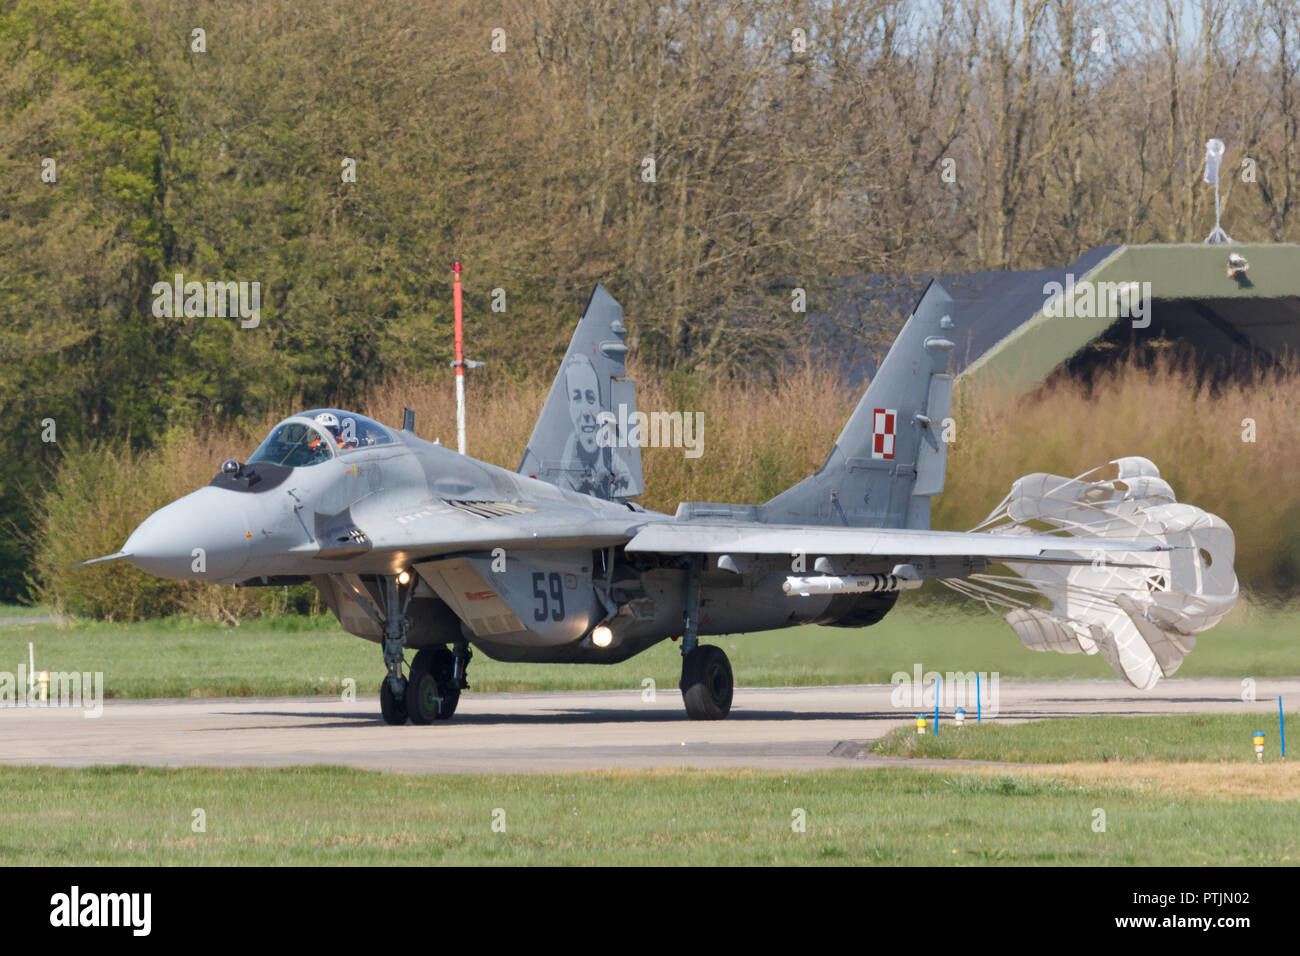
column 580, row 441
column 891, row 456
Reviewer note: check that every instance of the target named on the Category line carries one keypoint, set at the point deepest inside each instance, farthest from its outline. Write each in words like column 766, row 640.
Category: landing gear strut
column 393, row 703
column 707, row 683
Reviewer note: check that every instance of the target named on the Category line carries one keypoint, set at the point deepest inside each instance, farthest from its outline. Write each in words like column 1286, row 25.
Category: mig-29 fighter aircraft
column 416, row 547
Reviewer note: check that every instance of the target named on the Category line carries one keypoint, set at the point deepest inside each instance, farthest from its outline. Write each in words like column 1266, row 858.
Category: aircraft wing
column 719, row 538
column 442, row 527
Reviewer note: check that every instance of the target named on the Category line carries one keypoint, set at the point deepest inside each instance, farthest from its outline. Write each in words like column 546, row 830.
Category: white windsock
column 1213, row 156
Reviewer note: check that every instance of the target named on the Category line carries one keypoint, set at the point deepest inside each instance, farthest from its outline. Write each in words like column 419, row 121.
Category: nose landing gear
column 392, row 708
column 433, row 689
column 393, row 693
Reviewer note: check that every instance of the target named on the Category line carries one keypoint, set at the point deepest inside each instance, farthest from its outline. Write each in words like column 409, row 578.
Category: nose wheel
column 432, row 690
column 391, row 706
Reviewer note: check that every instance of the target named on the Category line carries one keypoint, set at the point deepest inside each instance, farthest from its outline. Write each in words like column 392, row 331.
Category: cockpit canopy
column 312, row 437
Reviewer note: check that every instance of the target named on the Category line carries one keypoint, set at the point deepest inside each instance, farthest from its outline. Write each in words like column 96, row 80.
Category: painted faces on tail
column 583, row 389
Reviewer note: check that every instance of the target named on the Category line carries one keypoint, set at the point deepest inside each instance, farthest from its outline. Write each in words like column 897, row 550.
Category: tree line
column 705, row 159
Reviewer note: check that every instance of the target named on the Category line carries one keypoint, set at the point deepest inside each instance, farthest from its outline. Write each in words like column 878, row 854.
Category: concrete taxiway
column 794, row 728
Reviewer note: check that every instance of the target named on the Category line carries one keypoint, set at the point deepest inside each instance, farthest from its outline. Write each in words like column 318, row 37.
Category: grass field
column 1185, row 737
column 1179, row 791
column 300, row 656
column 23, row 610
column 327, row 815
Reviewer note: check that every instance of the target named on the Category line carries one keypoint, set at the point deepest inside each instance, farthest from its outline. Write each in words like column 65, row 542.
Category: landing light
column 602, row 636
column 404, row 578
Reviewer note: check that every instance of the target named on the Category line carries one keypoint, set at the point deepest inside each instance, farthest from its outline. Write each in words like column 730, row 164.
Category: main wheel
column 393, row 709
column 707, row 683
column 432, row 694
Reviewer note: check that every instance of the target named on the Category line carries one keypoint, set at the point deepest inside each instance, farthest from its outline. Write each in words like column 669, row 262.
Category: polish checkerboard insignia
column 882, row 431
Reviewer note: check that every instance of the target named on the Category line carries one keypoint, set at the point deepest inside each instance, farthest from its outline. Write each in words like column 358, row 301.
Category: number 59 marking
column 548, row 589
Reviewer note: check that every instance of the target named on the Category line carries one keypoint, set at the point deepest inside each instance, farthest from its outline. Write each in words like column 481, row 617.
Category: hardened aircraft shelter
column 1230, row 307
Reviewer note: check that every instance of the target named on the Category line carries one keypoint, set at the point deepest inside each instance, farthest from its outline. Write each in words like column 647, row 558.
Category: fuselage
column 519, row 567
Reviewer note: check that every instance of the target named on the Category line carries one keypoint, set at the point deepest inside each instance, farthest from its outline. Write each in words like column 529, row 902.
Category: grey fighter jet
column 421, row 549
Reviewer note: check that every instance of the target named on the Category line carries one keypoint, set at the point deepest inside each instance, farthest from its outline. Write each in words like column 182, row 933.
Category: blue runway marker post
column 1281, row 726
column 978, row 702
column 937, row 682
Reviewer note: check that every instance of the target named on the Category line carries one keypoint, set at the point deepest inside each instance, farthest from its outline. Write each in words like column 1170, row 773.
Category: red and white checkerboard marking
column 882, row 432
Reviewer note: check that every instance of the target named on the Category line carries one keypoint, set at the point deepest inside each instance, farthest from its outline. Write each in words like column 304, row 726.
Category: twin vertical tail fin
column 581, row 440
column 891, row 456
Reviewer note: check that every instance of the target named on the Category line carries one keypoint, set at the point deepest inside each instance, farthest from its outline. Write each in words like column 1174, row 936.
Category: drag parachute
column 1140, row 610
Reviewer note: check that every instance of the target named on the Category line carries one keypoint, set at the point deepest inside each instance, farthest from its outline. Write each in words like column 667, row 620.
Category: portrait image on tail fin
column 588, row 462
column 582, row 440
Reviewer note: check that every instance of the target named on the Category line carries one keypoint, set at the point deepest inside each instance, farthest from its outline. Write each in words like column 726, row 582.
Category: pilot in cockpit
column 345, row 438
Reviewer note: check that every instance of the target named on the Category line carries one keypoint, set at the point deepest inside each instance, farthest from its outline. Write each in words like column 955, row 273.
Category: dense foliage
column 793, row 143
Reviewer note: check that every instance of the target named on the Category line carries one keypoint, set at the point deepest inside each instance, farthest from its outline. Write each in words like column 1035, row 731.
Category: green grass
column 1184, row 737
column 296, row 655
column 23, row 610
column 327, row 815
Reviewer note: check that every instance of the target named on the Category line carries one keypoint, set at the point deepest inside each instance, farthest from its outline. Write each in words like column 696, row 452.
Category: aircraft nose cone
column 203, row 536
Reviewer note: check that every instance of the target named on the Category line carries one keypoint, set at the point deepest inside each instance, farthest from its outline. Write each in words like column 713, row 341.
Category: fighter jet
column 432, row 554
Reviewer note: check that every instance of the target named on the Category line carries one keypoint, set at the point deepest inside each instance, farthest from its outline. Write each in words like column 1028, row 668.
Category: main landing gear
column 707, row 682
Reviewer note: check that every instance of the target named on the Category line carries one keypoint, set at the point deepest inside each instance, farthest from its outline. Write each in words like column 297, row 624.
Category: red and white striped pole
column 460, row 357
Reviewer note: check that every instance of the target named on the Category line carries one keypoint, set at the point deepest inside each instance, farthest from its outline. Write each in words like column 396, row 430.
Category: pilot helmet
column 328, row 420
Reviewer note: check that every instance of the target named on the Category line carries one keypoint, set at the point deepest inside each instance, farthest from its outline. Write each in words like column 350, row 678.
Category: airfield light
column 1258, row 737
column 959, row 716
column 602, row 636
column 404, row 578
column 920, row 724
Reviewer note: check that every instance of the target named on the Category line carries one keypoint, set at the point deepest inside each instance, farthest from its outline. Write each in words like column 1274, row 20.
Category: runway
column 805, row 728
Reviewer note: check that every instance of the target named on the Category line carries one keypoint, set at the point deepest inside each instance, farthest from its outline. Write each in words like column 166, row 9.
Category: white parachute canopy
column 1142, row 619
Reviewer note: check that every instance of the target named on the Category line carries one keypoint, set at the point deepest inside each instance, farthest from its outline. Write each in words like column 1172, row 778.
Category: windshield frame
column 326, row 439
